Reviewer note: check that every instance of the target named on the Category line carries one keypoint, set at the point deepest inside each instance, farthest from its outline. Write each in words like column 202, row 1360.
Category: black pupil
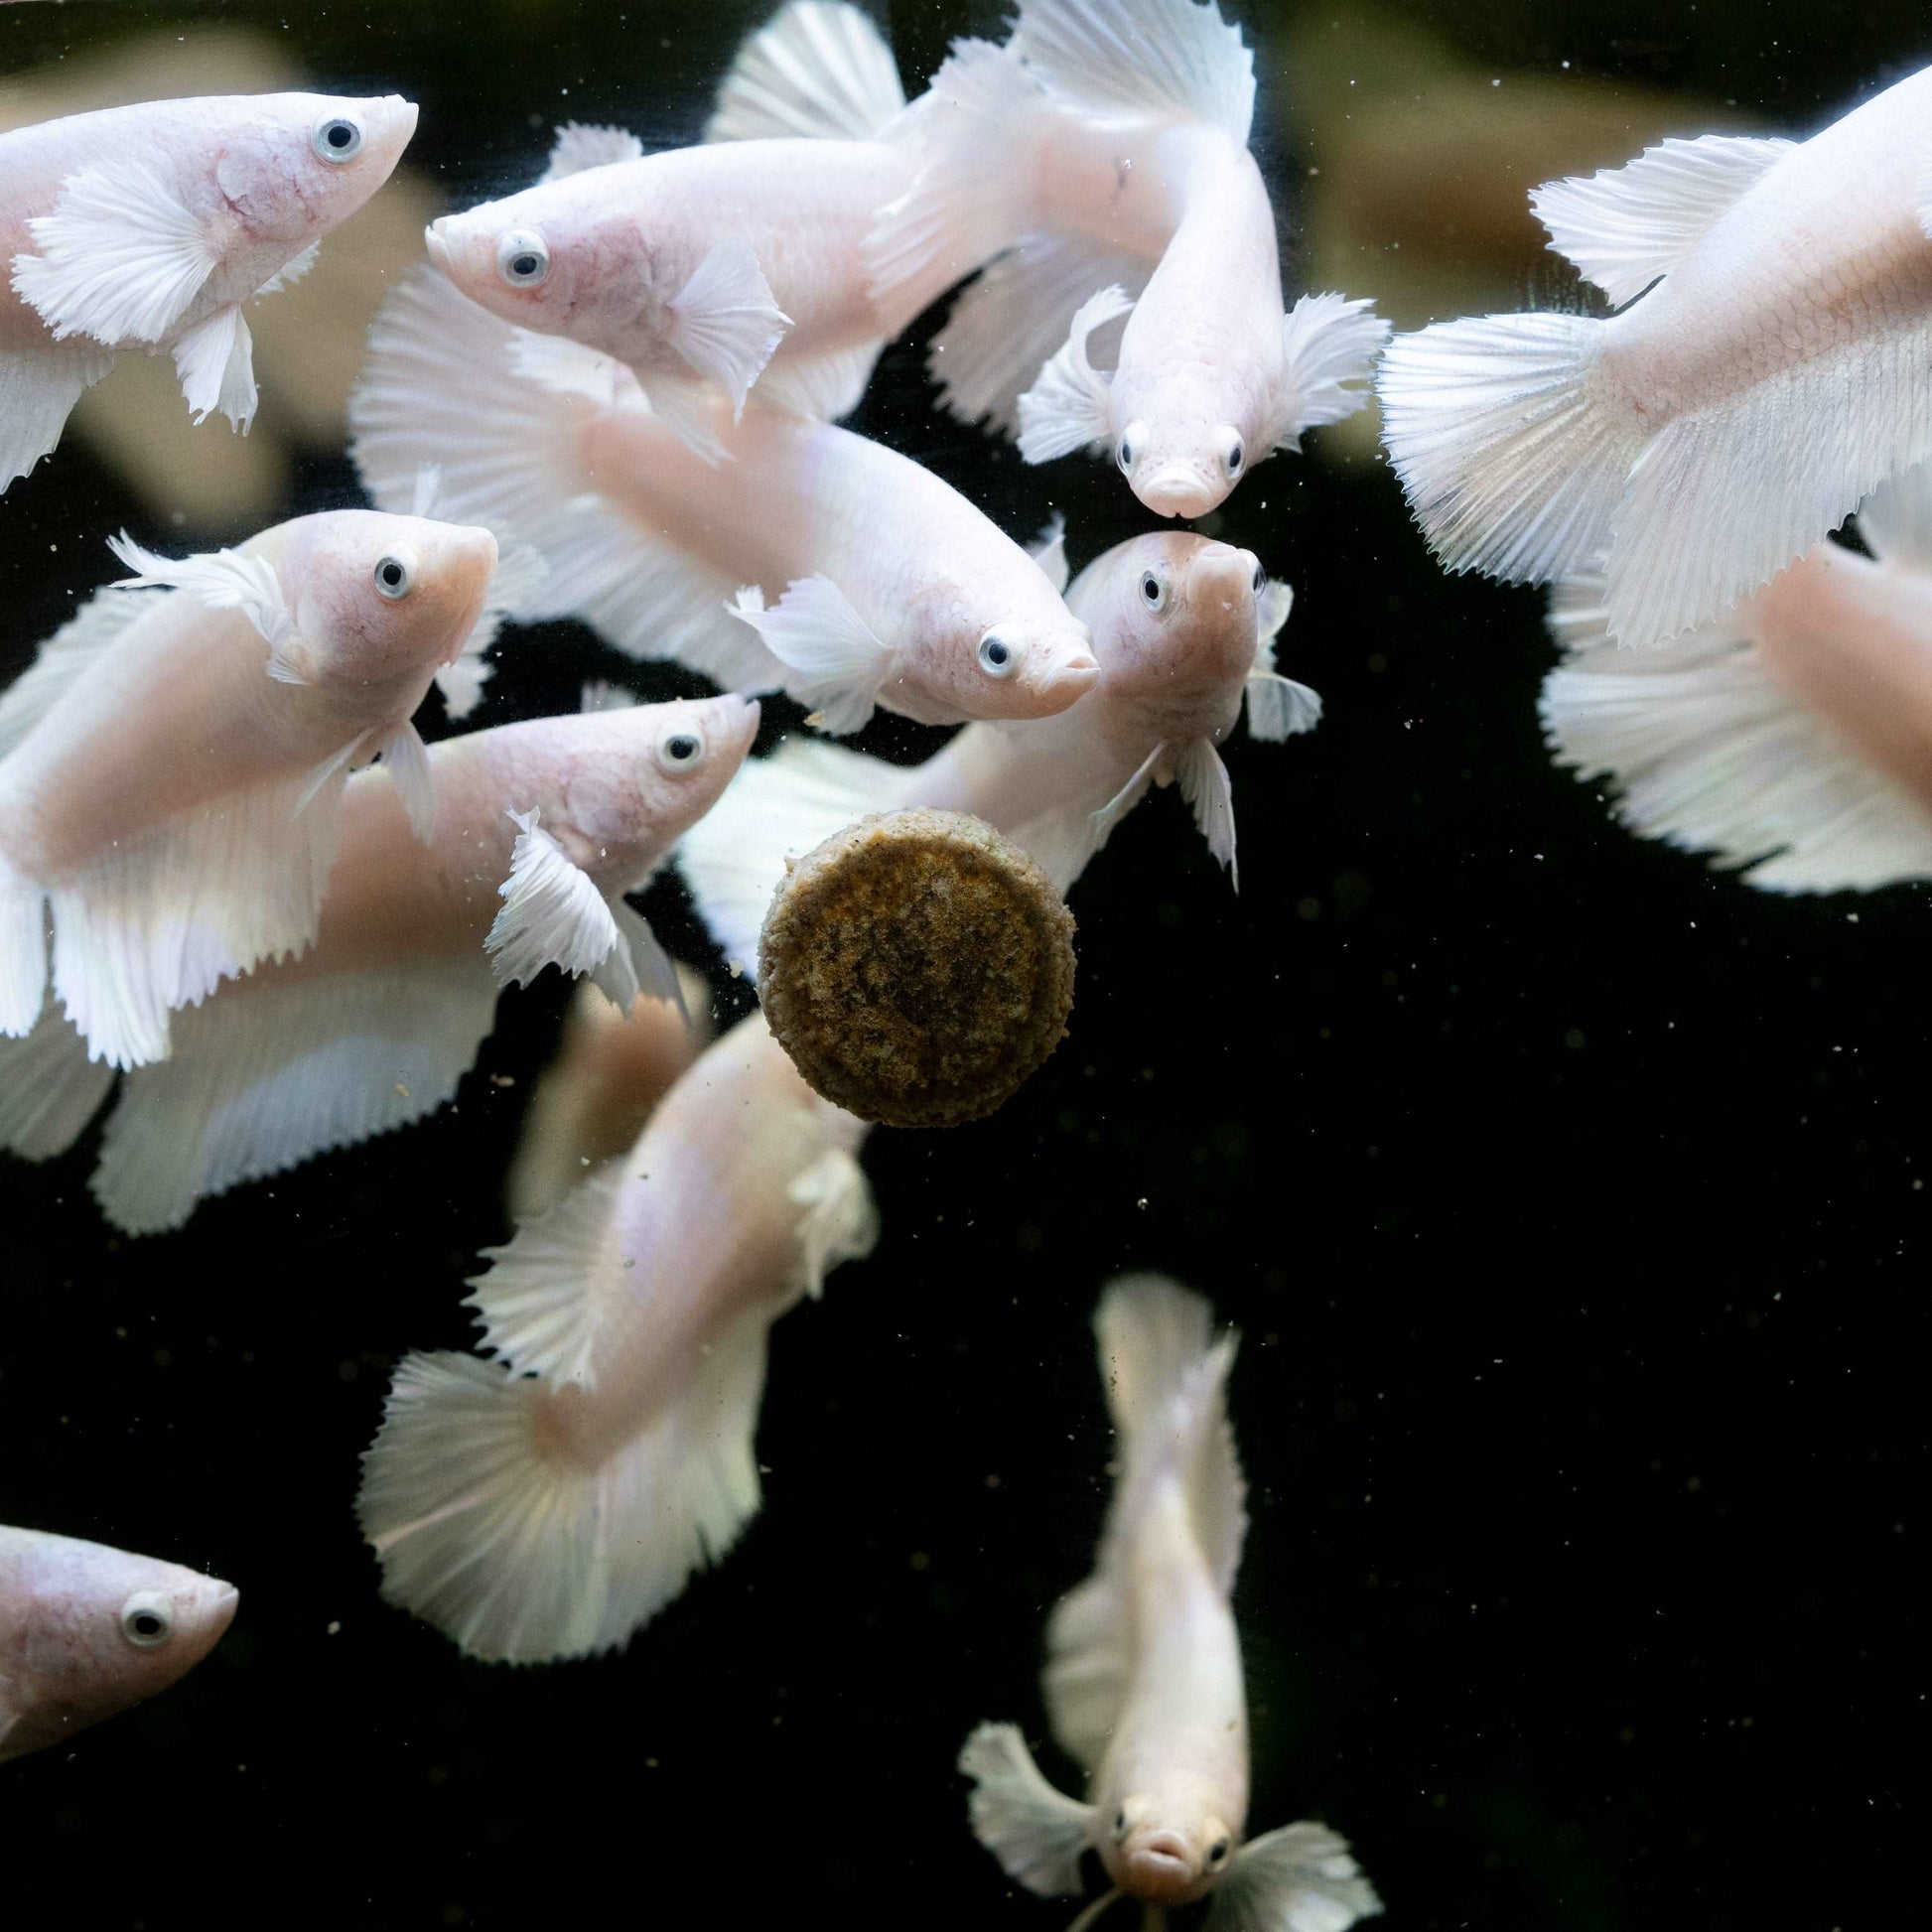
column 682, row 748
column 340, row 134
column 1150, row 590
column 392, row 575
column 996, row 652
column 147, row 1624
column 1234, row 458
column 523, row 265
column 1258, row 576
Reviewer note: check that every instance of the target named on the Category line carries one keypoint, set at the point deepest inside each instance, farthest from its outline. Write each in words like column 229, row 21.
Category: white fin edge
column 725, row 323
column 1036, row 1832
column 223, row 580
column 836, row 660
column 552, row 914
column 1300, row 1878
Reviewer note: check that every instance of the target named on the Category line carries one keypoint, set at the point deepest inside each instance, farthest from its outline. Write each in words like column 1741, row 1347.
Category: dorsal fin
column 816, row 68
column 1624, row 226
column 1176, row 56
column 580, row 146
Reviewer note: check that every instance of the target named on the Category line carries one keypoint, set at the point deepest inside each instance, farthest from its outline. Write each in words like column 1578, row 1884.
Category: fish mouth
column 1071, row 678
column 1160, row 1871
column 1178, row 491
column 1223, row 575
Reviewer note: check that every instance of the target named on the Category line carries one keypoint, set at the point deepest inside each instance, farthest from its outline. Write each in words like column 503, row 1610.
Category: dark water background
column 1569, row 1196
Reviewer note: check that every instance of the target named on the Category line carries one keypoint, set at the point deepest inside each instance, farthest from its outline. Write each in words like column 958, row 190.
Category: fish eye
column 1217, row 1850
column 148, row 1618
column 998, row 656
column 1231, row 453
column 337, row 137
column 522, row 257
column 1153, row 591
column 1119, row 1823
column 395, row 575
column 1261, row 577
column 1129, row 444
column 680, row 751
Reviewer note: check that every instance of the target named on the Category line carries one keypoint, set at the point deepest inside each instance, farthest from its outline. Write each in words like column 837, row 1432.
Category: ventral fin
column 1203, row 783
column 1625, row 226
column 579, row 146
column 291, row 271
column 406, row 758
column 723, row 321
column 119, row 258
column 215, row 362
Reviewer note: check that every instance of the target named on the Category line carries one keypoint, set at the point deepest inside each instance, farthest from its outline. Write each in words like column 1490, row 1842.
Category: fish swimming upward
column 171, row 764
column 1143, row 1680
column 540, row 830
column 152, row 226
column 1791, row 737
column 817, row 562
column 1183, row 627
column 698, row 267
column 547, row 1504
column 611, row 1070
column 87, row 1631
column 1105, row 147
column 1778, row 369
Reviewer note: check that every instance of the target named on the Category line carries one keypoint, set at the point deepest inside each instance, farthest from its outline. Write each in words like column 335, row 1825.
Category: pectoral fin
column 723, row 321
column 1036, row 1833
column 407, row 759
column 552, row 915
column 838, row 661
column 1067, row 409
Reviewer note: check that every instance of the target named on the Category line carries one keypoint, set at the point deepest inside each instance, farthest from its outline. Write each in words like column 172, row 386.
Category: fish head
column 644, row 775
column 1176, row 626
column 1186, row 436
column 556, row 258
column 382, row 601
column 112, row 1629
column 1169, row 1846
column 1032, row 660
column 301, row 165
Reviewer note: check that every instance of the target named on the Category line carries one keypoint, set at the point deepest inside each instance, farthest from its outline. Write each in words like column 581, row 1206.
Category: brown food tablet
column 917, row 967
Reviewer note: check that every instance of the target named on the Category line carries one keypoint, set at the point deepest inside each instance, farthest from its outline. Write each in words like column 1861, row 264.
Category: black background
column 1567, row 1194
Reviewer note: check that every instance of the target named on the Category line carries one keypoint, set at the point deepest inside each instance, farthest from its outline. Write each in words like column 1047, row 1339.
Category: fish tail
column 978, row 132
column 776, row 810
column 487, row 1527
column 1512, row 448
column 1709, row 753
column 49, row 1088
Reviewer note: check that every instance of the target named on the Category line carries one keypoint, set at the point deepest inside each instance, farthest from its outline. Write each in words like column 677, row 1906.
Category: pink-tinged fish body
column 152, row 225
column 804, row 558
column 172, row 765
column 539, row 830
column 1183, row 629
column 1144, row 1681
column 1101, row 157
column 1768, row 372
column 1791, row 737
column 629, row 1323
column 88, row 1631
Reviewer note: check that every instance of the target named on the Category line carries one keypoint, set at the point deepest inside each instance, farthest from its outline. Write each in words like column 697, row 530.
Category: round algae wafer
column 917, row 967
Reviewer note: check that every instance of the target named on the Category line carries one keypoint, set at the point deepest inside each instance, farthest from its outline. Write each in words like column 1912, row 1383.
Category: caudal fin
column 1165, row 1376
column 497, row 412
column 49, row 1089
column 1708, row 752
column 1511, row 450
column 518, row 1553
column 776, row 810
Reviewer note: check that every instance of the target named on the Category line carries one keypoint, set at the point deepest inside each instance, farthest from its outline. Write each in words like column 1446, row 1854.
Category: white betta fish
column 611, row 1070
column 1703, row 437
column 697, row 267
column 87, row 1631
column 549, row 1503
column 1183, row 627
column 1792, row 735
column 1107, row 146
column 173, row 763
column 891, row 588
column 151, row 227
column 1144, row 1681
column 540, row 830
